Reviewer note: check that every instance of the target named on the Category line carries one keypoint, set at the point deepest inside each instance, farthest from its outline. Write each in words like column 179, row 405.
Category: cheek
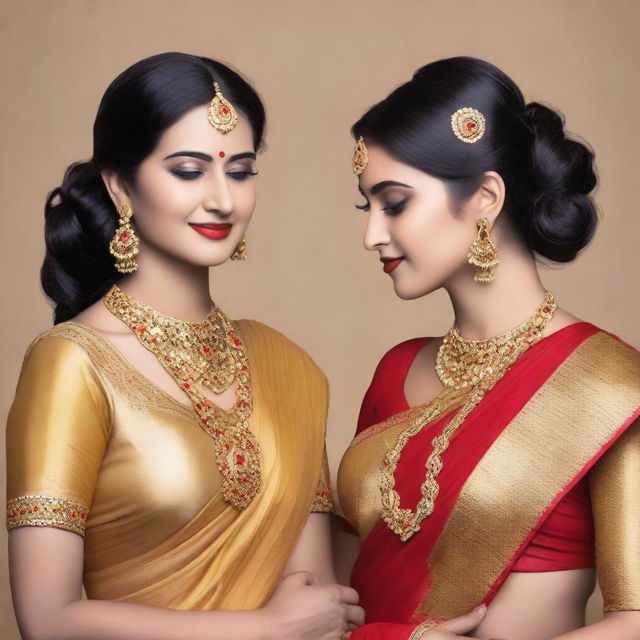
column 436, row 246
column 243, row 195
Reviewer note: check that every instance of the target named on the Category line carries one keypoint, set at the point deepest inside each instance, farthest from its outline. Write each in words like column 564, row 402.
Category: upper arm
column 57, row 433
column 613, row 484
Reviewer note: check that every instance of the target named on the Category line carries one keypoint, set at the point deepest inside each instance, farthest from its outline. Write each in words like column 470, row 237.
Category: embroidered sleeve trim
column 46, row 511
column 322, row 502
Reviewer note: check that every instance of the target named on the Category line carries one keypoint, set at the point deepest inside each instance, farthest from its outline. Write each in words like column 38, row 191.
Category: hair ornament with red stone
column 468, row 124
column 221, row 114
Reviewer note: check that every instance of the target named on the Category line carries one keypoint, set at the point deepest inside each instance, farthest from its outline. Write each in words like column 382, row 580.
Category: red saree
column 558, row 417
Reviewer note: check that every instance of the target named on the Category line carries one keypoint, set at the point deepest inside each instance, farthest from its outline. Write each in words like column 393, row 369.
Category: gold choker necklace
column 462, row 362
column 466, row 367
column 209, row 353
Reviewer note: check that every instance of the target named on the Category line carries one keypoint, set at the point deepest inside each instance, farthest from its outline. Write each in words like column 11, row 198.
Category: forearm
column 105, row 620
column 621, row 625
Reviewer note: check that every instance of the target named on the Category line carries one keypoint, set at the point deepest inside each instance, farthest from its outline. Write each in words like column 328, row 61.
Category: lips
column 389, row 264
column 212, row 230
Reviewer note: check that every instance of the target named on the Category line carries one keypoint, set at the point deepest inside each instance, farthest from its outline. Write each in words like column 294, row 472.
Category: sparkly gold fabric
column 563, row 427
column 573, row 415
column 616, row 511
column 86, row 427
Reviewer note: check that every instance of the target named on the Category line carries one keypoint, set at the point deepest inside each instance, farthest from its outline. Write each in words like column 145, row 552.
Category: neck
column 171, row 286
column 484, row 310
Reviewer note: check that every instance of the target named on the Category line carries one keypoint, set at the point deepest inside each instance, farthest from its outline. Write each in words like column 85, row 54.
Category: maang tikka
column 221, row 113
column 360, row 157
column 124, row 245
column 483, row 253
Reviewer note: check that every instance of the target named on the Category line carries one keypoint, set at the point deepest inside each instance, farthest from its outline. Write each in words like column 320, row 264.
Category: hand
column 457, row 627
column 302, row 608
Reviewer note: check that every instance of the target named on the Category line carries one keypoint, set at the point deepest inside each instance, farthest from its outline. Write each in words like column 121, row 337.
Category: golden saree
column 561, row 414
column 95, row 447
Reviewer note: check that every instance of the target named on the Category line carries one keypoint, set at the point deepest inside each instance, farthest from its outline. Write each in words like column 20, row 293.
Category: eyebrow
column 207, row 158
column 387, row 183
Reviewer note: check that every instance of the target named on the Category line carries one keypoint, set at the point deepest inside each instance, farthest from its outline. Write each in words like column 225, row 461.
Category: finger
column 467, row 622
column 355, row 615
column 348, row 595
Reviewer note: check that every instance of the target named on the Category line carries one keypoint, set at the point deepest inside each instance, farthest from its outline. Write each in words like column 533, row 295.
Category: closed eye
column 186, row 175
column 395, row 208
column 364, row 207
column 241, row 175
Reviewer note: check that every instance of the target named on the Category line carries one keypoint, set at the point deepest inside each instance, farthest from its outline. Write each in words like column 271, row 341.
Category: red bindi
column 222, row 154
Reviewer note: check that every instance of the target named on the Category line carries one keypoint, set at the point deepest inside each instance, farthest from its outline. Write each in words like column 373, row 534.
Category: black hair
column 547, row 174
column 137, row 107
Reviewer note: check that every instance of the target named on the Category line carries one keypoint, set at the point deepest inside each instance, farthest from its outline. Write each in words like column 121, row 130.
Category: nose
column 218, row 198
column 376, row 234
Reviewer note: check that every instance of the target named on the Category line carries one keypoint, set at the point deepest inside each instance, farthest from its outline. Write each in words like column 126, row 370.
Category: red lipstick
column 212, row 230
column 389, row 264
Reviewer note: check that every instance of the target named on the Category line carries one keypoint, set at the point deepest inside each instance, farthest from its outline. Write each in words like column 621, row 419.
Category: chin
column 411, row 292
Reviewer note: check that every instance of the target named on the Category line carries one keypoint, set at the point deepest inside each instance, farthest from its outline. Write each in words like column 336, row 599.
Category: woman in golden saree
column 489, row 472
column 165, row 456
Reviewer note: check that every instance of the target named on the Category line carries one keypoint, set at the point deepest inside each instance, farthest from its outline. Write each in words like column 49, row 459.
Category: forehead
column 383, row 166
column 193, row 131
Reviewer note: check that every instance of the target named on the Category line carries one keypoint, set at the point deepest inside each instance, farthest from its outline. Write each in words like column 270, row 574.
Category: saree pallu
column 96, row 448
column 561, row 413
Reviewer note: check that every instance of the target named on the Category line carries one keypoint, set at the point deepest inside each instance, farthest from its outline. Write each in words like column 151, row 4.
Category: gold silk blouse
column 94, row 447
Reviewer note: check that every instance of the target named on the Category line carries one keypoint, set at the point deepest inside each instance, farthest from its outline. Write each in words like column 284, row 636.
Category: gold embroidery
column 210, row 353
column 564, row 425
column 445, row 403
column 322, row 502
column 46, row 511
column 420, row 630
column 403, row 521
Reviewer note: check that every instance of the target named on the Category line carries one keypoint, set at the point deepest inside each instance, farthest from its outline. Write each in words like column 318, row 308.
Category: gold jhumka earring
column 240, row 253
column 483, row 253
column 360, row 157
column 221, row 113
column 124, row 245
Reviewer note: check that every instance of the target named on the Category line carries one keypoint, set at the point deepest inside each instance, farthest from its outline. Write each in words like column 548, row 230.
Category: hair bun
column 562, row 218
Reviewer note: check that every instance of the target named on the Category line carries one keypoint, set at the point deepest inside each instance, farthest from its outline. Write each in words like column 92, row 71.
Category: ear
column 491, row 196
column 116, row 187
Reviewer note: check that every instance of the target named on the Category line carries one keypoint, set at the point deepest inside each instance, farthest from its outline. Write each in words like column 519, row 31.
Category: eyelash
column 392, row 209
column 193, row 175
column 396, row 208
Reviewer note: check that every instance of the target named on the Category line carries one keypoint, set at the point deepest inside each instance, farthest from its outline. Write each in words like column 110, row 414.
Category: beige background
column 318, row 64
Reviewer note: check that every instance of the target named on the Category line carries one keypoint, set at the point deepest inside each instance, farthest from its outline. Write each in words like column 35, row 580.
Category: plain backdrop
column 318, row 65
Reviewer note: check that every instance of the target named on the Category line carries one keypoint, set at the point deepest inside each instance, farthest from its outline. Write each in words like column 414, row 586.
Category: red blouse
column 566, row 538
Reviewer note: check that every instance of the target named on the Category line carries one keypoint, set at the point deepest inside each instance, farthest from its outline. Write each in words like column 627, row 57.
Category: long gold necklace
column 466, row 367
column 208, row 353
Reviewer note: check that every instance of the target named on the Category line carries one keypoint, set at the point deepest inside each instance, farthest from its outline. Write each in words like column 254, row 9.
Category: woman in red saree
column 494, row 471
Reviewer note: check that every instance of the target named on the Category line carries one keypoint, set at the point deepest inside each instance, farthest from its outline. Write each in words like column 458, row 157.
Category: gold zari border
column 46, row 511
column 556, row 434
